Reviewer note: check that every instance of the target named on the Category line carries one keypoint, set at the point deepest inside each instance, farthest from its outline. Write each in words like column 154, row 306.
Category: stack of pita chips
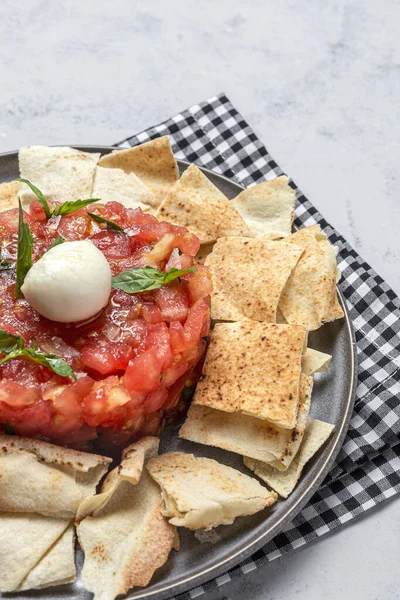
column 254, row 397
column 41, row 489
column 122, row 532
column 140, row 177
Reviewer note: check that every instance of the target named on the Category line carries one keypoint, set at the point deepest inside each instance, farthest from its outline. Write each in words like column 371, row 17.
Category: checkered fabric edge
column 214, row 135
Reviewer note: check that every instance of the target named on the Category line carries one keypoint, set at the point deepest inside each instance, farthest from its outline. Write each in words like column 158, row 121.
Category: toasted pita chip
column 268, row 208
column 204, row 251
column 314, row 361
column 248, row 277
column 196, row 203
column 246, row 435
column 116, row 185
column 47, row 479
column 309, row 297
column 56, row 567
column 60, row 173
column 284, row 482
column 254, row 368
column 126, row 538
column 8, row 195
column 200, row 493
column 24, row 541
column 153, row 162
column 335, row 311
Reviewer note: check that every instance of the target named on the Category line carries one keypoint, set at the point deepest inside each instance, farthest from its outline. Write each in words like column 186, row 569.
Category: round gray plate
column 332, row 401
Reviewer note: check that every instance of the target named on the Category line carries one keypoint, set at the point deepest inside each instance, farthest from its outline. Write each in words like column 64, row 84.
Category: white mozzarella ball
column 71, row 282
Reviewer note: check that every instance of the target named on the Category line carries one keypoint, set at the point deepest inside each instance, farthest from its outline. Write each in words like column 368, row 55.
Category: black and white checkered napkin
column 367, row 470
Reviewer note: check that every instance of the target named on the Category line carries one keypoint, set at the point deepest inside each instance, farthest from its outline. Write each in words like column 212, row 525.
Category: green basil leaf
column 138, row 279
column 24, row 251
column 51, row 361
column 9, row 342
column 72, row 205
column 39, row 195
column 110, row 224
column 59, row 240
column 145, row 279
column 176, row 273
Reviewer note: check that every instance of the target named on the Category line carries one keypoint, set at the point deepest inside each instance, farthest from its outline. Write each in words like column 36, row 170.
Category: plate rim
column 231, row 560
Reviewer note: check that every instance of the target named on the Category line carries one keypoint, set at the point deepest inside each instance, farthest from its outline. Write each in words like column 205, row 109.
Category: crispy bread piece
column 314, row 361
column 200, row 493
column 254, row 368
column 44, row 478
column 24, row 541
column 310, row 297
column 116, row 185
column 246, row 435
column 60, row 173
column 248, row 277
column 9, row 195
column 284, row 482
column 196, row 203
column 153, row 162
column 268, row 207
column 56, row 567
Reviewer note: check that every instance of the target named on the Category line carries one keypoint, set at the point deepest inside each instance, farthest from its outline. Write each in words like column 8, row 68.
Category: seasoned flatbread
column 284, row 482
column 196, row 203
column 254, row 368
column 248, row 277
column 126, row 538
column 44, row 478
column 24, row 541
column 9, row 195
column 60, row 173
column 314, row 361
column 116, row 185
column 268, row 208
column 309, row 297
column 200, row 493
column 153, row 162
column 56, row 567
column 246, row 435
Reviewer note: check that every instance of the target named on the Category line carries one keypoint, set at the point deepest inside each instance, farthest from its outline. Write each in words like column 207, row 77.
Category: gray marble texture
column 319, row 81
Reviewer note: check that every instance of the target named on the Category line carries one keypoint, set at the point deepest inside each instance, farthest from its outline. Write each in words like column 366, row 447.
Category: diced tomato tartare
column 133, row 360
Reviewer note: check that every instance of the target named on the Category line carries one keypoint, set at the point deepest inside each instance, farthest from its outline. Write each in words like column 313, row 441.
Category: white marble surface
column 318, row 81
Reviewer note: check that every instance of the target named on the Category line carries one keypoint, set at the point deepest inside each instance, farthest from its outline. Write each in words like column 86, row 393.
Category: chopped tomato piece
column 177, row 336
column 198, row 315
column 199, row 285
column 106, row 357
column 172, row 302
column 17, row 395
column 151, row 313
column 155, row 400
column 112, row 244
column 173, row 373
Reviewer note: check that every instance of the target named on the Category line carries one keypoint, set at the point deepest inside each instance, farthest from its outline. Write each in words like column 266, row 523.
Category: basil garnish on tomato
column 110, row 224
column 9, row 342
column 59, row 240
column 13, row 346
column 144, row 279
column 39, row 196
column 24, row 251
column 72, row 205
column 64, row 209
